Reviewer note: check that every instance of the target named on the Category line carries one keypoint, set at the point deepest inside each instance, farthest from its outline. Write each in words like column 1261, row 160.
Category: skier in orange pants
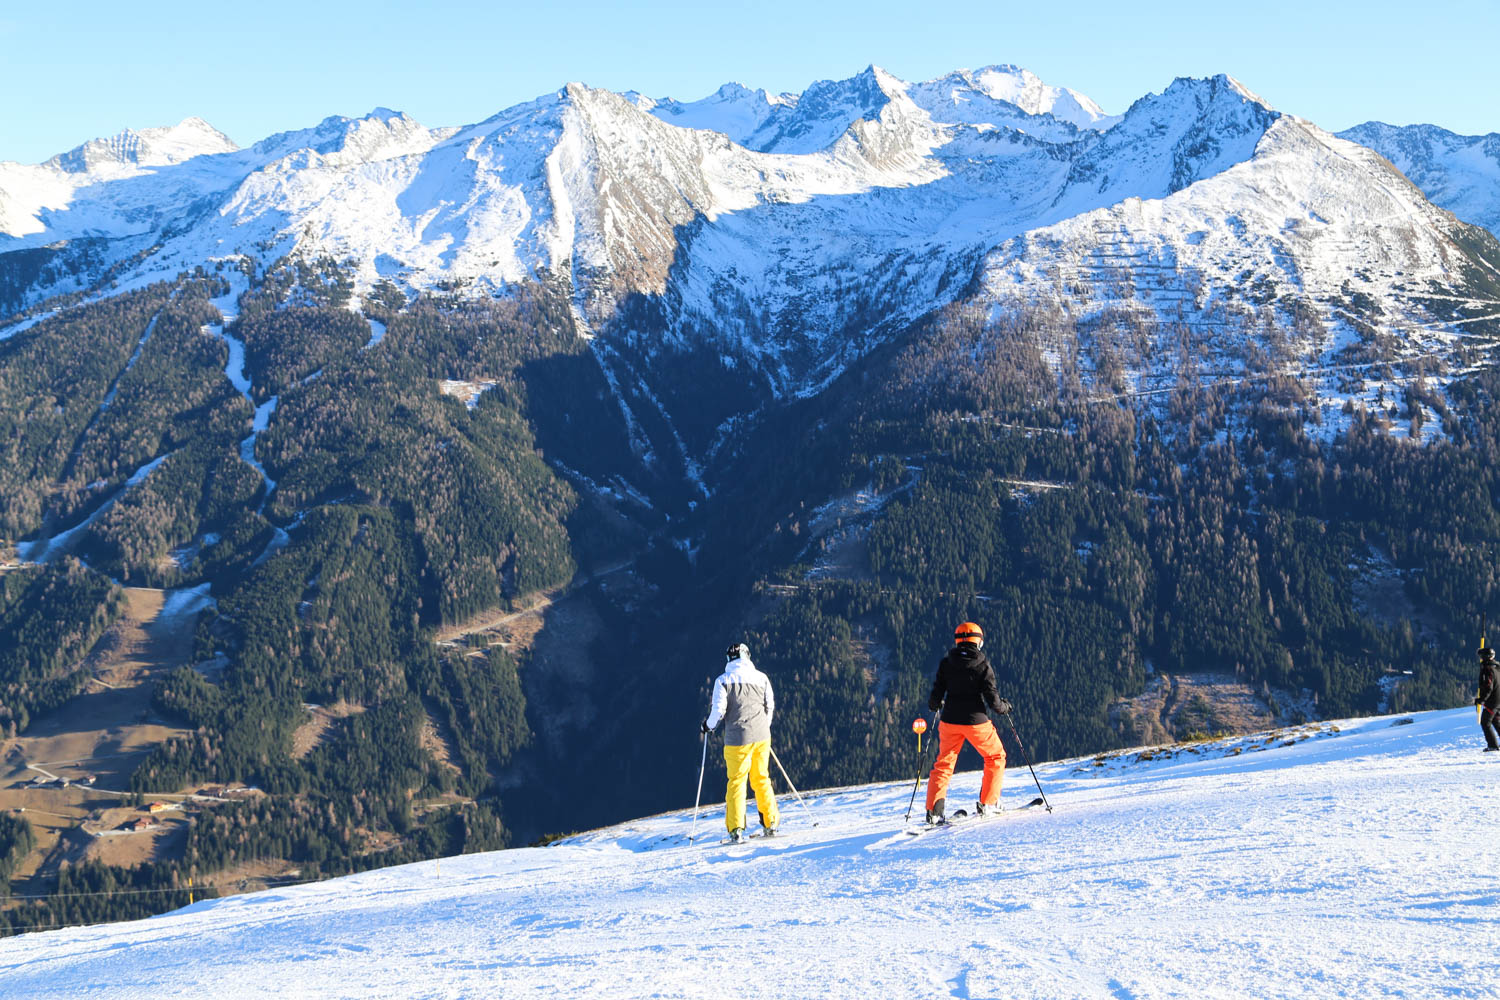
column 964, row 688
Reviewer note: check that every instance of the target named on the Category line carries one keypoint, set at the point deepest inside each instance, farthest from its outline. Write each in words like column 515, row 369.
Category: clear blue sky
column 70, row 71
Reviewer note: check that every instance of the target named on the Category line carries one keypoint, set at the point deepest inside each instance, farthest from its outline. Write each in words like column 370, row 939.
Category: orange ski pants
column 950, row 741
column 750, row 761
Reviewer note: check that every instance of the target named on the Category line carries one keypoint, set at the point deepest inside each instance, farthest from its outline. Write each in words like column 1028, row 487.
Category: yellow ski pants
column 752, row 761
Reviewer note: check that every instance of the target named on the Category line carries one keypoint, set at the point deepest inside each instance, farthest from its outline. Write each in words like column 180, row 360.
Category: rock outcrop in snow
column 150, row 147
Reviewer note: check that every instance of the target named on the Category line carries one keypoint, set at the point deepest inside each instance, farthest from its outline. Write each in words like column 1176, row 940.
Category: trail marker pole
column 918, row 726
column 1483, row 629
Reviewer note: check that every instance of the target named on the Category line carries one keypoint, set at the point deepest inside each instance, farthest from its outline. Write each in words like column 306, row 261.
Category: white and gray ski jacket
column 743, row 700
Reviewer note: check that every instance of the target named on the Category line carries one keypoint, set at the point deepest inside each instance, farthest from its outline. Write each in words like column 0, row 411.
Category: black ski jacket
column 968, row 681
column 1489, row 686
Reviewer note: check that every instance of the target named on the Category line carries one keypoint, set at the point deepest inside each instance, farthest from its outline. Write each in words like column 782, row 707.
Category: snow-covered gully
column 1350, row 859
column 234, row 370
column 45, row 549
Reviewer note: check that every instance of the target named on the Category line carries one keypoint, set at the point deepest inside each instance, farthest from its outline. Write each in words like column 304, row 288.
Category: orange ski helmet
column 969, row 632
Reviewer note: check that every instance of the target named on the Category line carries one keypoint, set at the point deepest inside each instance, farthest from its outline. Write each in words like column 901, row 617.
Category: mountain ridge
column 1461, row 173
column 606, row 191
column 586, row 184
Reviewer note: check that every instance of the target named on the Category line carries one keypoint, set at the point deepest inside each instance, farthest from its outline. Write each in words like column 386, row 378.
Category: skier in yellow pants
column 743, row 701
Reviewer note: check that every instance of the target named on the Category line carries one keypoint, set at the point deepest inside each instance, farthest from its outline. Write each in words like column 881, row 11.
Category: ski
column 963, row 818
column 760, row 834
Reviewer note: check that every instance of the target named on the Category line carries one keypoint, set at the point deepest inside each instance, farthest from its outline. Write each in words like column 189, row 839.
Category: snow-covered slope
column 796, row 232
column 150, row 147
column 733, row 109
column 136, row 189
column 1305, row 217
column 1459, row 172
column 994, row 94
column 1349, row 859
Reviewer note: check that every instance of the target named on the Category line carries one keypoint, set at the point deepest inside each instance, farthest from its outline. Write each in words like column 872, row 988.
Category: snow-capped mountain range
column 1458, row 172
column 799, row 231
column 1334, row 859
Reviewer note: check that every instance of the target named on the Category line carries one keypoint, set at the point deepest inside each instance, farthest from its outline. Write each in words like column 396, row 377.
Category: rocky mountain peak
column 145, row 148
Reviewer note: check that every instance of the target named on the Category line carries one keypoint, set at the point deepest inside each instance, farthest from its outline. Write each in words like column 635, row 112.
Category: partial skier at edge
column 1488, row 698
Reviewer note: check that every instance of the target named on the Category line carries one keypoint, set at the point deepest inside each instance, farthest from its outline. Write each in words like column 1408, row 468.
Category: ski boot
column 935, row 815
column 737, row 836
column 769, row 831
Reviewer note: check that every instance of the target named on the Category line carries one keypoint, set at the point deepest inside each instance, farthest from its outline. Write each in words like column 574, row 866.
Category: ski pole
column 702, row 764
column 1027, row 758
column 793, row 787
column 915, row 784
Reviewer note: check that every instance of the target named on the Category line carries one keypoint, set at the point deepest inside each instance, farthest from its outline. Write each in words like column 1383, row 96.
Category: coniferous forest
column 1101, row 537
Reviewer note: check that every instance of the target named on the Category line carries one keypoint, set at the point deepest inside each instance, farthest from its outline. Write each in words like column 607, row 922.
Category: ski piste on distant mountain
column 793, row 234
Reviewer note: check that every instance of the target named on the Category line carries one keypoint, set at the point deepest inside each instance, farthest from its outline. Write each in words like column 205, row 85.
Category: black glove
column 1002, row 707
column 1476, row 701
column 703, row 727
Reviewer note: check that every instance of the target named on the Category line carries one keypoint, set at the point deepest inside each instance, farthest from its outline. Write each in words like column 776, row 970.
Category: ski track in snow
column 26, row 324
column 247, row 446
column 234, row 370
column 44, row 550
column 114, row 387
column 187, row 601
column 377, row 333
column 1353, row 864
column 279, row 540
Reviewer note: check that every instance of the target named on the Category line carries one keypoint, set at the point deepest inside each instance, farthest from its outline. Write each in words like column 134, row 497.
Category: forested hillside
column 367, row 493
column 1100, row 538
column 392, row 510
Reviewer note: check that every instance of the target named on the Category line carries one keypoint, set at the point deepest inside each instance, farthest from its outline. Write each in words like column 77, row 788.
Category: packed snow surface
column 1352, row 859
